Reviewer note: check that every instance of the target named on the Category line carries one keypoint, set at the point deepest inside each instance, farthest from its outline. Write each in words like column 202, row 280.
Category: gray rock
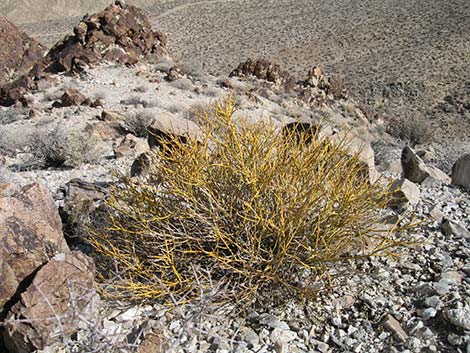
column 428, row 313
column 459, row 317
column 454, row 339
column 449, row 228
column 248, row 335
column 404, row 193
column 414, row 169
column 461, row 171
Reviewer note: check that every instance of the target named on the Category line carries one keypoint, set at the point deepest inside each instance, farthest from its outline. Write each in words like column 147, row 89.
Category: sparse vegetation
column 136, row 100
column 61, row 147
column 249, row 207
column 10, row 115
column 415, row 130
column 138, row 122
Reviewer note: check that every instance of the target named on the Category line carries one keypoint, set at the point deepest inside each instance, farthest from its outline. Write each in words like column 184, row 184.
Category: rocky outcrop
column 18, row 52
column 121, row 33
column 51, row 309
column 73, row 97
column 461, row 171
column 30, row 234
column 263, row 70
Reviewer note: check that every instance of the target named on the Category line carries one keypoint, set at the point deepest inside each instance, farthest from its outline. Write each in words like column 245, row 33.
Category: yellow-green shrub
column 248, row 206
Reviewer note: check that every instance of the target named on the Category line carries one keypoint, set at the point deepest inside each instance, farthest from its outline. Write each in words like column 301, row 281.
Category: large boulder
column 59, row 299
column 120, row 33
column 461, row 171
column 18, row 52
column 169, row 127
column 30, row 234
column 356, row 146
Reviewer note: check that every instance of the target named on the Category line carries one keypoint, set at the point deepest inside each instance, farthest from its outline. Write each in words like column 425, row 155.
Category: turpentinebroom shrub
column 248, row 206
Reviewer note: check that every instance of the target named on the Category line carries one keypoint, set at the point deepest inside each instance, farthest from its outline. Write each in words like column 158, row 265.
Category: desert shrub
column 135, row 101
column 10, row 115
column 415, row 130
column 138, row 122
column 141, row 89
column 63, row 147
column 252, row 206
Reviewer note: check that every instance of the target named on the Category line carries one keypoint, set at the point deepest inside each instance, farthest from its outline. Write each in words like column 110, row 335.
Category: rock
column 301, row 131
column 155, row 342
column 459, row 317
column 461, row 171
column 449, row 228
column 130, row 146
column 344, row 302
column 413, row 167
column 30, row 233
column 428, row 313
column 111, row 116
column 168, row 127
column 452, row 277
column 70, row 97
column 356, row 146
column 81, row 200
column 19, row 52
column 404, row 193
column 454, row 339
column 438, row 175
column 140, row 166
column 120, row 33
column 263, row 70
column 436, row 214
column 62, row 290
column 392, row 325
column 248, row 335
column 13, row 92
column 315, row 78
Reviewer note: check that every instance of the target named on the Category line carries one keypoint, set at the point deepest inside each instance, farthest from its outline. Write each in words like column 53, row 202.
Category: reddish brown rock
column 120, row 33
column 262, row 69
column 18, row 52
column 71, row 97
column 30, row 234
column 60, row 297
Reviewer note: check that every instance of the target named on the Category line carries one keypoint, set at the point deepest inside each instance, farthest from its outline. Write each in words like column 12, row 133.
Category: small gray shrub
column 138, row 122
column 415, row 130
column 63, row 148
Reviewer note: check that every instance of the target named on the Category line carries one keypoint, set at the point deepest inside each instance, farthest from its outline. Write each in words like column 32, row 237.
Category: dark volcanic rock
column 120, row 33
column 18, row 52
column 262, row 69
